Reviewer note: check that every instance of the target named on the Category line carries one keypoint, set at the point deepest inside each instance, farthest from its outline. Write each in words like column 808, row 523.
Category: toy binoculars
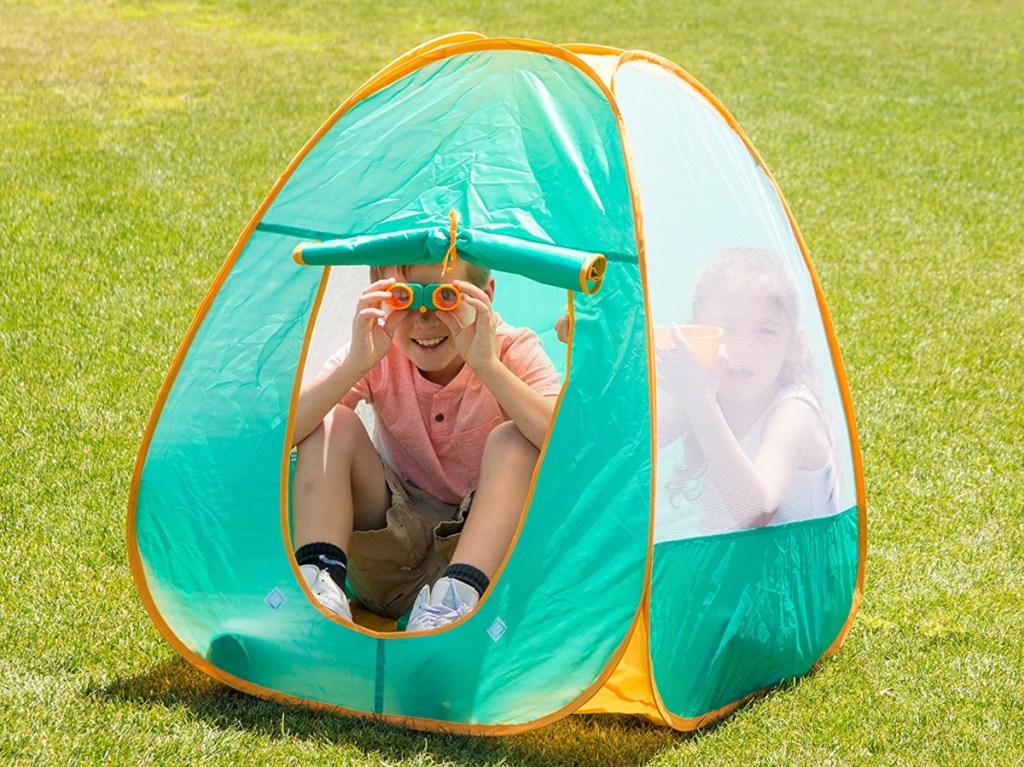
column 443, row 296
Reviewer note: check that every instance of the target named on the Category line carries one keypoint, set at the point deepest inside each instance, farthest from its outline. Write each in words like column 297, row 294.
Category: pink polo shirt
column 434, row 435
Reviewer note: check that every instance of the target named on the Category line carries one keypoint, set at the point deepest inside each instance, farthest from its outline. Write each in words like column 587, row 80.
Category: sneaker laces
column 448, row 609
column 434, row 616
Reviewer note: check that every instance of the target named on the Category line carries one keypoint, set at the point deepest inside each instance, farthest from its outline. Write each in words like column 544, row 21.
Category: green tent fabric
column 550, row 157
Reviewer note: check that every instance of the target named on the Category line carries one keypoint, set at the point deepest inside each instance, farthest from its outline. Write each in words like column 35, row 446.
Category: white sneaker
column 449, row 600
column 327, row 592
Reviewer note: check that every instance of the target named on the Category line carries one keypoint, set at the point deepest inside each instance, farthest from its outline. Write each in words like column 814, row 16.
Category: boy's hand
column 371, row 338
column 472, row 326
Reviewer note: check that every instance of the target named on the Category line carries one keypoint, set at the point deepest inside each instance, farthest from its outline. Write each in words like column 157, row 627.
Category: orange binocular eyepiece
column 439, row 296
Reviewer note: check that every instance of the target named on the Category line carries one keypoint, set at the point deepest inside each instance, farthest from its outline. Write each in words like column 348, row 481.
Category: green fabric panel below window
column 738, row 612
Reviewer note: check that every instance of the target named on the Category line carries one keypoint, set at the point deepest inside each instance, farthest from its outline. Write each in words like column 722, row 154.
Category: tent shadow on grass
column 598, row 740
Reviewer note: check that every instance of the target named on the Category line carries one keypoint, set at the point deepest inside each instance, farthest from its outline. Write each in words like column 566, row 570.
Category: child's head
column 751, row 294
column 421, row 336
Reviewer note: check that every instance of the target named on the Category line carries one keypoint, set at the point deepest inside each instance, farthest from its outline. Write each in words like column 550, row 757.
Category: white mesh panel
column 755, row 434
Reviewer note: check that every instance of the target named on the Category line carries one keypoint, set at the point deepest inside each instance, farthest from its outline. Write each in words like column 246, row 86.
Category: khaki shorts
column 388, row 567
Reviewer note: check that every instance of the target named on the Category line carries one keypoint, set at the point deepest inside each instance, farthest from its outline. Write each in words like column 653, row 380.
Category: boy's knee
column 345, row 431
column 313, row 441
column 340, row 431
column 343, row 421
column 506, row 441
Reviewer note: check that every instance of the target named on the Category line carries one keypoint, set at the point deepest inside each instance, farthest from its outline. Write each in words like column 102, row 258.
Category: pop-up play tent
column 594, row 182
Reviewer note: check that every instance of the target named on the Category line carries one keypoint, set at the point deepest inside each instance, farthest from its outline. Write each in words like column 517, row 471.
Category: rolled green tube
column 549, row 264
column 413, row 246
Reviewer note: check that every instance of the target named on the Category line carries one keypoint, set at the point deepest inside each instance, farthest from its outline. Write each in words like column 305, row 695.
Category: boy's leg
column 338, row 483
column 506, row 469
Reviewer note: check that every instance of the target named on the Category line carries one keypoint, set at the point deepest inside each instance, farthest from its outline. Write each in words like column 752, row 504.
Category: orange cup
column 702, row 340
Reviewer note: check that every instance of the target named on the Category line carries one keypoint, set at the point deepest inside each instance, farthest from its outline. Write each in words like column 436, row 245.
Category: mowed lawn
column 137, row 139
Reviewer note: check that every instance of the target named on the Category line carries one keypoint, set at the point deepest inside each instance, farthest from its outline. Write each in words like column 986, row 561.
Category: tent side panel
column 742, row 595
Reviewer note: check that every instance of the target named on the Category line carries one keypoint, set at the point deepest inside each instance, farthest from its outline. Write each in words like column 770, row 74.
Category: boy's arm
column 370, row 342
column 473, row 333
column 318, row 397
column 529, row 410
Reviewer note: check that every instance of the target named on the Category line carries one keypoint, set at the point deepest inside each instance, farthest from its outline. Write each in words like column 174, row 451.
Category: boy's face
column 421, row 336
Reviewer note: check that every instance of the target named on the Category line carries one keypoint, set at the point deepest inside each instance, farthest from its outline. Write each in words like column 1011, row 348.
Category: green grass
column 136, row 140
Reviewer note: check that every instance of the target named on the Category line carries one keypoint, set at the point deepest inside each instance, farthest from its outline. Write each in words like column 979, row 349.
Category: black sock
column 468, row 575
column 327, row 557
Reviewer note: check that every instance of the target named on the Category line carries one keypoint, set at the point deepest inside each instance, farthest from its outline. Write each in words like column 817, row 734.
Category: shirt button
column 439, row 417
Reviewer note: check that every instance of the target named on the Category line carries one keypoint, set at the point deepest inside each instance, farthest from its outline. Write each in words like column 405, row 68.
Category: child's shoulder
column 797, row 411
column 521, row 351
column 797, row 392
column 794, row 408
column 502, row 328
column 508, row 336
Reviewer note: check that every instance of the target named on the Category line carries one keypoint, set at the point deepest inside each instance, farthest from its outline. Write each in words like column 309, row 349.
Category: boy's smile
column 428, row 344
